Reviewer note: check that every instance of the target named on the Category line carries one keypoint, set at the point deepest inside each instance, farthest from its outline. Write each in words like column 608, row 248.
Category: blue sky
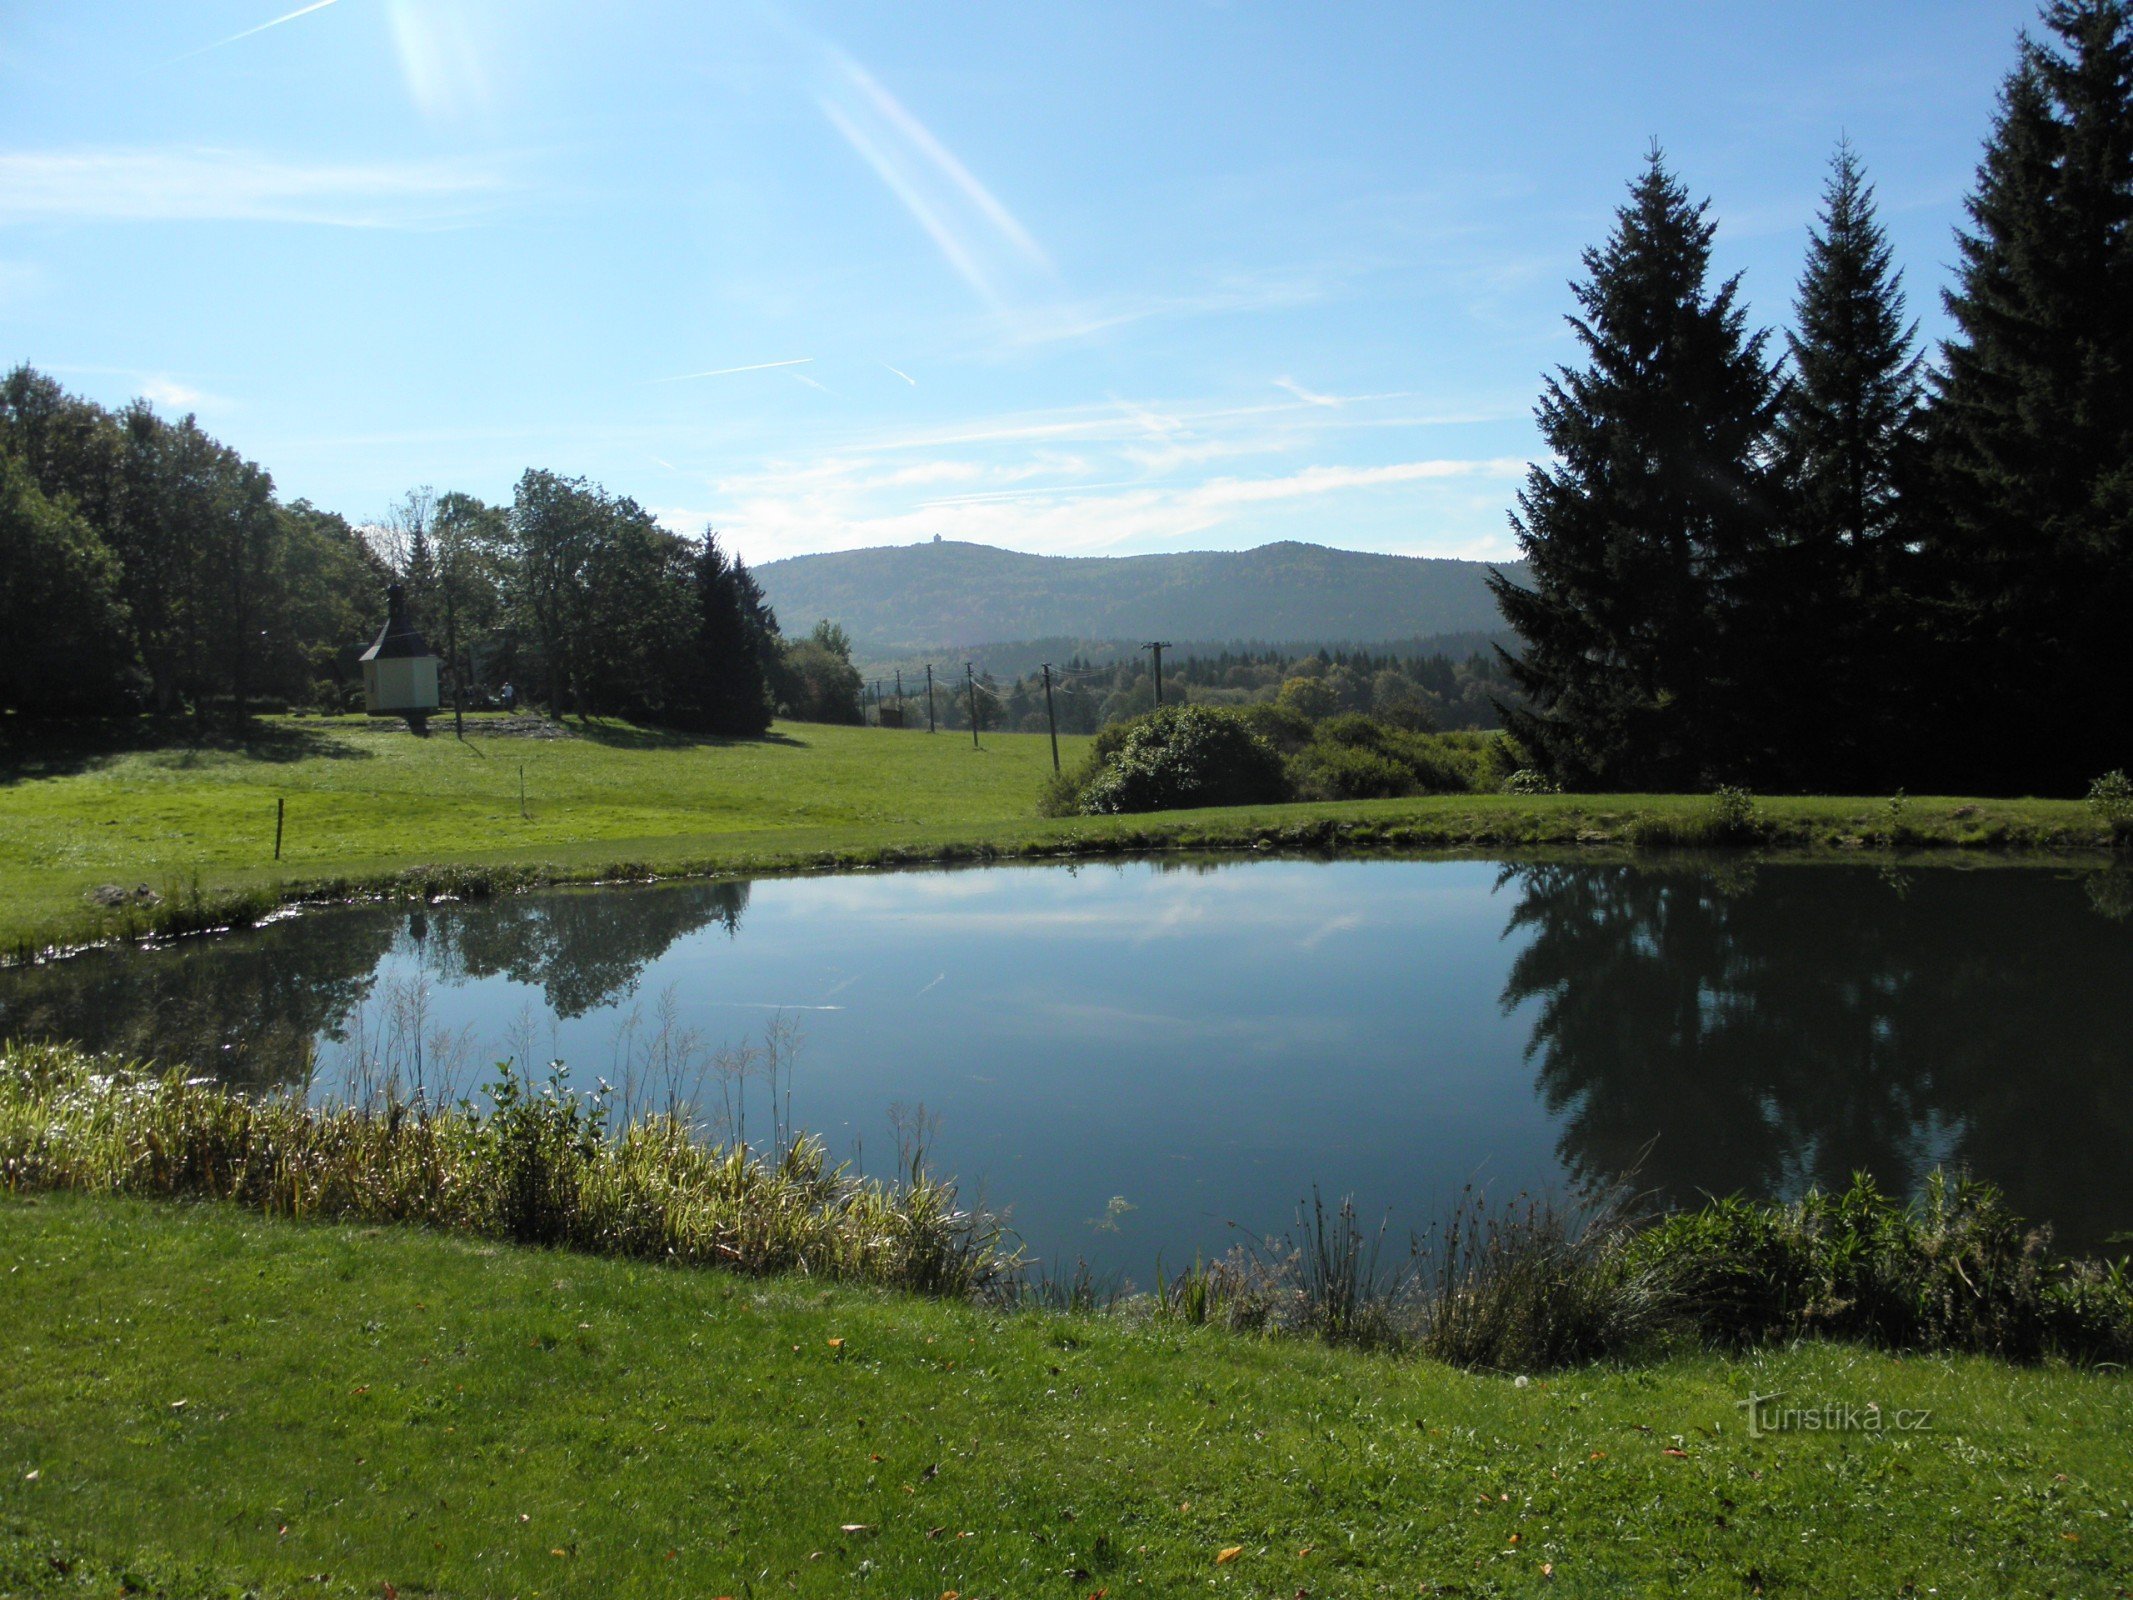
column 1076, row 279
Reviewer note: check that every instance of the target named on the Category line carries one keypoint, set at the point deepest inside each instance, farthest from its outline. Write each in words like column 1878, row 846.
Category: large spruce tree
column 1849, row 428
column 1648, row 536
column 728, row 692
column 2034, row 420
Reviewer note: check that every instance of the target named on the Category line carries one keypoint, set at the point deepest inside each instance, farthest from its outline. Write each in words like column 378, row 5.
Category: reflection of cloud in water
column 1347, row 923
column 1266, row 1033
column 1136, row 904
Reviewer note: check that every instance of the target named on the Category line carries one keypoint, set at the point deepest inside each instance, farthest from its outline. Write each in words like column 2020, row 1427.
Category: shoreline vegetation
column 1532, row 1284
column 160, row 833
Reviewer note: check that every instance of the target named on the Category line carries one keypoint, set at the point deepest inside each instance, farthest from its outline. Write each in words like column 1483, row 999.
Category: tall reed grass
column 1518, row 1286
column 546, row 1165
column 1534, row 1283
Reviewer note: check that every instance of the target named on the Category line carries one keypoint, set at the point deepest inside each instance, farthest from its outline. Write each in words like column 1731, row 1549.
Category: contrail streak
column 287, row 16
column 720, row 372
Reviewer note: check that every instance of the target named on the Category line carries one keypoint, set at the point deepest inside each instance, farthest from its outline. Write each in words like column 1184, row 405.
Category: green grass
column 134, row 805
column 211, row 1403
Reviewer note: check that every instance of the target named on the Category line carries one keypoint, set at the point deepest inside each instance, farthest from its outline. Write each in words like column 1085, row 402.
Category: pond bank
column 1597, row 827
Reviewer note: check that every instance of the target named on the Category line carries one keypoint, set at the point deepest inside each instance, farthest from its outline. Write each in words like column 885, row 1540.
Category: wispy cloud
column 207, row 184
column 173, row 395
column 1307, row 396
column 1058, row 321
column 444, row 65
column 721, row 372
column 1448, row 504
column 286, row 16
column 902, row 374
column 921, row 139
column 981, row 240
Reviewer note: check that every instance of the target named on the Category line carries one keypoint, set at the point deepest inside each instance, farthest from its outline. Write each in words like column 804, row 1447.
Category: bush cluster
column 1175, row 759
column 2111, row 798
column 1954, row 1270
column 1209, row 756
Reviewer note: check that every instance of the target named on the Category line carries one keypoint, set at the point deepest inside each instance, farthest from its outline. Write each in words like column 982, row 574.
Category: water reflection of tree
column 249, row 1007
column 1808, row 1022
column 583, row 948
column 246, row 1008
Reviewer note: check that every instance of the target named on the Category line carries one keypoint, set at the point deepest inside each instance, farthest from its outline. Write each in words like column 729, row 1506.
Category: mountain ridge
column 954, row 593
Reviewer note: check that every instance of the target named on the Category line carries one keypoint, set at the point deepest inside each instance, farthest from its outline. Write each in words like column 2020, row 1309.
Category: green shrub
column 1955, row 1270
column 1358, row 757
column 1284, row 727
column 1183, row 757
column 1527, row 781
column 545, row 1142
column 2111, row 798
column 1734, row 814
column 1330, row 771
column 1730, row 817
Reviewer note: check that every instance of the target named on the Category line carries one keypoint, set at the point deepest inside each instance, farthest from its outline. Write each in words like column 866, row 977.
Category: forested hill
column 925, row 596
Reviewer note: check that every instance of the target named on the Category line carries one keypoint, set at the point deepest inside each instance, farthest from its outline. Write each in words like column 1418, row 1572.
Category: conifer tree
column 2034, row 418
column 728, row 693
column 1648, row 535
column 1849, row 430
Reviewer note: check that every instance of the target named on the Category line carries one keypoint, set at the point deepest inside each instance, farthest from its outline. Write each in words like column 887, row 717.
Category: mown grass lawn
column 135, row 806
column 201, row 1401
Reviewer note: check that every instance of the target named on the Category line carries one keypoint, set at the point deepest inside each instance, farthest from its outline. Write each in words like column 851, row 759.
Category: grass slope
column 135, row 806
column 200, row 1401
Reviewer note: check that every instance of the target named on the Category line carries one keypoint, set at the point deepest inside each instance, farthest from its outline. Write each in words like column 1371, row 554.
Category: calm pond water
column 1140, row 1060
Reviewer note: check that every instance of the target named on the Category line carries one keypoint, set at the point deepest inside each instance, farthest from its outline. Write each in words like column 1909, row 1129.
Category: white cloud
column 766, row 521
column 172, row 395
column 207, row 184
column 1125, row 474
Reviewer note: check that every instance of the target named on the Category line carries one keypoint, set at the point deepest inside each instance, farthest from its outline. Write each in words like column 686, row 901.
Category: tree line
column 145, row 566
column 1839, row 565
column 1412, row 692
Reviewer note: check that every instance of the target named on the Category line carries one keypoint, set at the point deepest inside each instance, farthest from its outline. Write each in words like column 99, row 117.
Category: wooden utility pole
column 1158, row 646
column 1050, row 715
column 971, row 683
column 929, row 697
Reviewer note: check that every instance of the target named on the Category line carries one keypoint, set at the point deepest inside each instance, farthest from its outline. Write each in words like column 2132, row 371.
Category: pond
column 1149, row 1060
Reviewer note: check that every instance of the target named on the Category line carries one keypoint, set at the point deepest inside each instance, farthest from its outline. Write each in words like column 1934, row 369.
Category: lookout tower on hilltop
column 399, row 672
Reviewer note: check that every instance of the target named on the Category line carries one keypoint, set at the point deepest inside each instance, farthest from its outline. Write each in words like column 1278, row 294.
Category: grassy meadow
column 191, row 817
column 202, row 1402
